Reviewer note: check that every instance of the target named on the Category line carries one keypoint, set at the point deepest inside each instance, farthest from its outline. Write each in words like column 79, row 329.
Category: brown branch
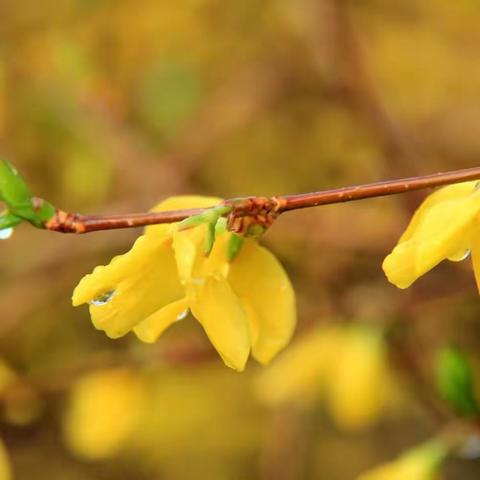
column 265, row 209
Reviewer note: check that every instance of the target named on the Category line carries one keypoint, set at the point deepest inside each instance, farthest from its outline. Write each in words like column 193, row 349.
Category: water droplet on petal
column 6, row 233
column 102, row 299
column 465, row 255
column 183, row 315
column 477, row 186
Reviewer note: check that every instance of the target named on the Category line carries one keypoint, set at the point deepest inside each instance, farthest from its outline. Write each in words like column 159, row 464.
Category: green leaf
column 18, row 199
column 13, row 190
column 454, row 379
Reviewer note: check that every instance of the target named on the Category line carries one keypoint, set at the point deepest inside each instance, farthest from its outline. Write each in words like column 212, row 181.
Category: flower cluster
column 244, row 305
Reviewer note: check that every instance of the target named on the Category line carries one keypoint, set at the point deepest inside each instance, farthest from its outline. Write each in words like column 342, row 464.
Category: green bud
column 255, row 231
column 234, row 246
column 454, row 379
column 209, row 238
column 210, row 215
column 220, row 226
column 191, row 222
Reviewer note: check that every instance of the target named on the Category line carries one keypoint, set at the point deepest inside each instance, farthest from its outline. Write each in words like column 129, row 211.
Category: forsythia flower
column 421, row 463
column 346, row 366
column 243, row 305
column 447, row 225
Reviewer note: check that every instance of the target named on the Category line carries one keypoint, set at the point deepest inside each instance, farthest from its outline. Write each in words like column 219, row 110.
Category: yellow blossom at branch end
column 445, row 226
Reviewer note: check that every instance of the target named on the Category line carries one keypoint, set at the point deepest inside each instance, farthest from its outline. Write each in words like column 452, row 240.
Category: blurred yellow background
column 110, row 106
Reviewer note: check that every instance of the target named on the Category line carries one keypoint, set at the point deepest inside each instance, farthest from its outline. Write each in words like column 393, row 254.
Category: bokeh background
column 110, row 106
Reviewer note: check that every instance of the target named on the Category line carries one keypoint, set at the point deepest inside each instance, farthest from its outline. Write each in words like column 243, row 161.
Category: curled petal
column 136, row 284
column 261, row 283
column 192, row 262
column 450, row 192
column 217, row 308
column 187, row 248
column 476, row 252
column 150, row 329
column 435, row 233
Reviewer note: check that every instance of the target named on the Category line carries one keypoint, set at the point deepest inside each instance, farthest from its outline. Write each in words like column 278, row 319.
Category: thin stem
column 378, row 189
column 261, row 206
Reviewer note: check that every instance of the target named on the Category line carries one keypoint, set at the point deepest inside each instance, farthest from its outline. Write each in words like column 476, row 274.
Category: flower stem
column 260, row 206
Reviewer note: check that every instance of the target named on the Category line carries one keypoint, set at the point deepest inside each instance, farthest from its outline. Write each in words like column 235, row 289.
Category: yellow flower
column 345, row 366
column 244, row 305
column 103, row 411
column 446, row 226
column 421, row 463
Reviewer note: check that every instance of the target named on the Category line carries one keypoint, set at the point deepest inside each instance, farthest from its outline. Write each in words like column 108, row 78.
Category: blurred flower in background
column 102, row 413
column 346, row 366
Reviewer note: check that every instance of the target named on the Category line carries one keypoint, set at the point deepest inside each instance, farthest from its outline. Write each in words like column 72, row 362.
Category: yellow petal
column 439, row 232
column 153, row 326
column 217, row 308
column 476, row 252
column 189, row 255
column 140, row 282
column 217, row 262
column 450, row 192
column 192, row 263
column 188, row 244
column 261, row 283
